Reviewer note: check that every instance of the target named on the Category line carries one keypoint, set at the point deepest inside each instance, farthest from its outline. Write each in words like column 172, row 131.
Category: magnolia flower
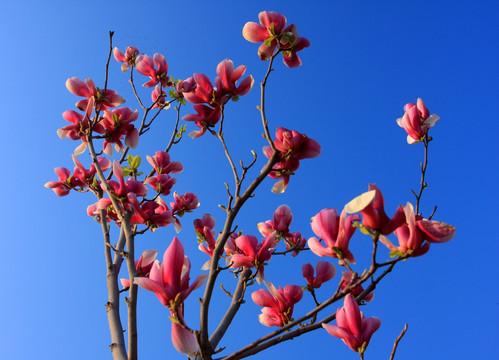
column 415, row 231
column 118, row 124
column 325, row 272
column 170, row 283
column 103, row 99
column 417, row 121
column 336, row 232
column 346, row 278
column 156, row 69
column 251, row 254
column 228, row 76
column 293, row 147
column 142, row 266
column 128, row 58
column 371, row 205
column 162, row 164
column 66, row 182
column 170, row 280
column 272, row 32
column 353, row 328
column 277, row 304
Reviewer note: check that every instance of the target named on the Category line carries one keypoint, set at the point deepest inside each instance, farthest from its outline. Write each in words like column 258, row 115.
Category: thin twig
column 392, row 356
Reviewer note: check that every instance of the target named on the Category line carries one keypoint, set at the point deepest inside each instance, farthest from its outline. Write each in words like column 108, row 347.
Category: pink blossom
column 170, row 280
column 201, row 90
column 185, row 86
column 66, row 182
column 184, row 203
column 282, row 219
column 336, row 232
column 162, row 183
column 371, row 205
column 353, row 328
column 277, row 304
column 80, row 126
column 226, row 82
column 204, row 230
column 356, row 291
column 142, row 266
column 128, row 58
column 183, row 341
column 158, row 98
column 411, row 240
column 205, row 117
column 88, row 176
column 122, row 188
column 162, row 164
column 154, row 214
column 417, row 121
column 295, row 241
column 103, row 99
column 251, row 254
column 158, row 74
column 436, row 231
column 118, row 124
column 272, row 31
column 325, row 272
column 291, row 44
column 293, row 147
column 170, row 283
column 417, row 233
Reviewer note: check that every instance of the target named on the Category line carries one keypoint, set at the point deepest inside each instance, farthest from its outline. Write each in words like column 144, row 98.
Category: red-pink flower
column 80, row 126
column 251, row 254
column 353, row 328
column 162, row 164
column 201, row 90
column 228, row 76
column 415, row 231
column 154, row 214
column 296, row 242
column 158, row 74
column 272, row 31
column 170, row 280
column 282, row 219
column 205, row 117
column 184, row 203
column 277, row 304
column 436, row 231
column 336, row 232
column 371, row 205
column 103, row 99
column 417, row 121
column 162, row 183
column 293, row 147
column 88, row 176
column 128, row 58
column 122, row 188
column 158, row 97
column 143, row 265
column 183, row 340
column 66, row 182
column 205, row 233
column 325, row 272
column 118, row 124
column 170, row 283
column 356, row 291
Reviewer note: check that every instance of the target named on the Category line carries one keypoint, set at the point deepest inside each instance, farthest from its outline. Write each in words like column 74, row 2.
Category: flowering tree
column 131, row 201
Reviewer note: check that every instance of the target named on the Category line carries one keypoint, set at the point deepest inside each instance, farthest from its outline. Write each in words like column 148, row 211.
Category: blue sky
column 367, row 59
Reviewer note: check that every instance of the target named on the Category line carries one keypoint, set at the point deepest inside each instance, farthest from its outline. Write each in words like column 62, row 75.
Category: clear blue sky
column 367, row 59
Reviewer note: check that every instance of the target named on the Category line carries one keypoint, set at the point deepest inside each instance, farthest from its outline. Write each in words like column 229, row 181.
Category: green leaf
column 235, row 98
